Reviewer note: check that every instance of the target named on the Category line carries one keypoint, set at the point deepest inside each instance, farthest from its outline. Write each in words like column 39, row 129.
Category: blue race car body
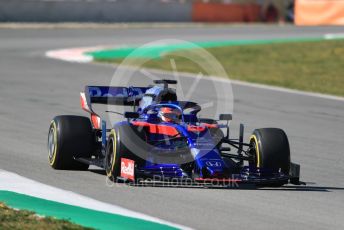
column 143, row 147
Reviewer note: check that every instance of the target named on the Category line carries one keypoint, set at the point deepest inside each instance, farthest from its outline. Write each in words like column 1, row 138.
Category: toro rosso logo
column 127, row 169
column 213, row 163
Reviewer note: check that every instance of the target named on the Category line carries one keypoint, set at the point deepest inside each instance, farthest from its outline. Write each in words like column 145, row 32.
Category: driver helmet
column 167, row 114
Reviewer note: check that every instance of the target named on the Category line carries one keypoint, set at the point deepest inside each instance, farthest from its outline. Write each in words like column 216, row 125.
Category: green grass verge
column 83, row 216
column 12, row 219
column 315, row 66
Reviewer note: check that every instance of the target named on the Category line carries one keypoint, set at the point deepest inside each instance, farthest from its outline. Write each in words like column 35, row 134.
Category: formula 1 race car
column 163, row 139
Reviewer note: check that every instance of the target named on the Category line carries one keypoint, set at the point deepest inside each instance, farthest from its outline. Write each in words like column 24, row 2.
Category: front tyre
column 70, row 137
column 120, row 145
column 112, row 157
column 271, row 150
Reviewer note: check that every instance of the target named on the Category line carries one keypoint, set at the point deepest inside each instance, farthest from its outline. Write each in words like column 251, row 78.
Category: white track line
column 291, row 91
column 334, row 36
column 73, row 54
column 15, row 183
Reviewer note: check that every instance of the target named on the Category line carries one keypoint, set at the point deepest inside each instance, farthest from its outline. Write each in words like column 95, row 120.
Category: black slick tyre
column 271, row 150
column 118, row 147
column 70, row 137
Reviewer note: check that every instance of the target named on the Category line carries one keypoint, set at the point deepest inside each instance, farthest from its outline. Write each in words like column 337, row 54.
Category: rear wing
column 116, row 95
column 111, row 95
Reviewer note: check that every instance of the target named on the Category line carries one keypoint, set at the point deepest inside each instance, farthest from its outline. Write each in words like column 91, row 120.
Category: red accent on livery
column 128, row 169
column 158, row 129
column 210, row 126
column 95, row 120
column 194, row 128
column 202, row 127
column 83, row 103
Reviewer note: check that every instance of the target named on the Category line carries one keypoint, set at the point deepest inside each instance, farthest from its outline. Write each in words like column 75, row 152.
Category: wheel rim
column 255, row 147
column 52, row 143
column 109, row 160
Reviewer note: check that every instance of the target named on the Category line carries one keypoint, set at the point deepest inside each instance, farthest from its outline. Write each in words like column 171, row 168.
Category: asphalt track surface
column 33, row 89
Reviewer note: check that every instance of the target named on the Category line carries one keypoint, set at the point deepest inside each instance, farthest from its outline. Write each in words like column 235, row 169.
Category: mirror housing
column 131, row 115
column 225, row 117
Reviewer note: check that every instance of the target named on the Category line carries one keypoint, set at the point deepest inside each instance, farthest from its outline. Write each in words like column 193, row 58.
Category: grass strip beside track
column 157, row 51
column 82, row 216
column 22, row 219
column 314, row 65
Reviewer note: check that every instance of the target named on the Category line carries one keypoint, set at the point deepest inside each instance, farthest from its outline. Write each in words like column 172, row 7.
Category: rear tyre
column 271, row 150
column 70, row 137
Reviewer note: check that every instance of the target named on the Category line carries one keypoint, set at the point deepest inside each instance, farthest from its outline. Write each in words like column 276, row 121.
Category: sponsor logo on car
column 127, row 169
